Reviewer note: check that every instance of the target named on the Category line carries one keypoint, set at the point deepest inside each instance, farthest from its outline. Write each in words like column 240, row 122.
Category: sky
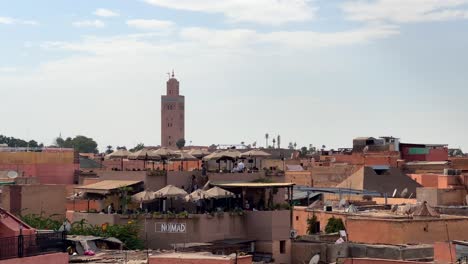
column 317, row 72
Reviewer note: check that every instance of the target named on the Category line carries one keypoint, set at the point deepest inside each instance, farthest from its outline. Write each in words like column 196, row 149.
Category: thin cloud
column 89, row 23
column 150, row 24
column 406, row 11
column 270, row 12
column 8, row 69
column 102, row 12
column 291, row 39
column 15, row 21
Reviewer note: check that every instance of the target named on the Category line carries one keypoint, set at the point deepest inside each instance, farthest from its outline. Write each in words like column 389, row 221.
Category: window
column 282, row 247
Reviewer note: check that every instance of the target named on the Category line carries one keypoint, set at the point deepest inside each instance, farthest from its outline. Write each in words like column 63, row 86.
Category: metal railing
column 32, row 245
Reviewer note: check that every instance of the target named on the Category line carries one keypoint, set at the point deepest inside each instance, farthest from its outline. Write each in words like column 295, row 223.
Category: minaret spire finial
column 172, row 73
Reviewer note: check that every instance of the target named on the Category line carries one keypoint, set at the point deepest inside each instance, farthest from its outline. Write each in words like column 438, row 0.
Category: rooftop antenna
column 394, row 193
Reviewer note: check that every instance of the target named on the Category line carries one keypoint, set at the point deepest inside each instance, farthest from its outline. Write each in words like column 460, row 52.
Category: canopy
column 223, row 154
column 119, row 154
column 144, row 196
column 170, row 191
column 255, row 153
column 199, row 153
column 184, row 156
column 197, row 195
column 424, row 210
column 105, row 187
column 144, row 154
column 165, row 153
column 252, row 184
column 218, row 193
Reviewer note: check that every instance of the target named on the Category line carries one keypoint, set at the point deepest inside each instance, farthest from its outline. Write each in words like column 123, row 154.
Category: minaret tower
column 172, row 114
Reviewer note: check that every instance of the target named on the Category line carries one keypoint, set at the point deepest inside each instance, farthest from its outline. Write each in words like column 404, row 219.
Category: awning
column 105, row 187
column 252, row 184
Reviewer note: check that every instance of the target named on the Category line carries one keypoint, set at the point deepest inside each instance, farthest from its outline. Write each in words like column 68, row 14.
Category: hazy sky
column 316, row 72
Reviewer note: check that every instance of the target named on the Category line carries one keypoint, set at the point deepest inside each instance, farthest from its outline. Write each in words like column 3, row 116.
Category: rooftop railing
column 32, row 245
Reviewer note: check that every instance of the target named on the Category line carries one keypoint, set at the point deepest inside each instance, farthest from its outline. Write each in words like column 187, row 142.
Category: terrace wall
column 53, row 258
column 49, row 167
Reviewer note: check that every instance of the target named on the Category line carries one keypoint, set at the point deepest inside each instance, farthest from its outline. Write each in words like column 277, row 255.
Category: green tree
column 16, row 142
column 303, row 151
column 180, row 143
column 109, row 149
column 81, row 144
column 311, row 223
column 334, row 225
column 138, row 147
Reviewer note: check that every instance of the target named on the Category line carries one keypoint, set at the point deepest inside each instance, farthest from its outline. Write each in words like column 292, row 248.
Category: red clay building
column 423, row 152
column 50, row 165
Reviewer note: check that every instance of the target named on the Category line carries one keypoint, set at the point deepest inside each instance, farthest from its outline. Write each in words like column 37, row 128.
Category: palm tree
column 266, row 137
column 295, row 145
column 274, row 141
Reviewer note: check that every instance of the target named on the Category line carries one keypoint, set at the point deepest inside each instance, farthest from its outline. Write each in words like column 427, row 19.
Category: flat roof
column 198, row 255
column 252, row 184
column 104, row 187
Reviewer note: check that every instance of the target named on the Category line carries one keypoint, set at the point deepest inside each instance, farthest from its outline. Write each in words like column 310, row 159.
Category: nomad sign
column 171, row 227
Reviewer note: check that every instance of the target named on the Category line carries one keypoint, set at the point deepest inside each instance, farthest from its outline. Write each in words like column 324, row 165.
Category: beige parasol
column 197, row 195
column 219, row 193
column 170, row 191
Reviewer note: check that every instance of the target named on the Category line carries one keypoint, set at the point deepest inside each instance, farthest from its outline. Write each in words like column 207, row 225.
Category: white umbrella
column 144, row 196
column 219, row 193
column 170, row 191
column 197, row 195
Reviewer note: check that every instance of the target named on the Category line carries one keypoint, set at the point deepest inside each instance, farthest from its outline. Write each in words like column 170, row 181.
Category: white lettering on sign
column 171, row 227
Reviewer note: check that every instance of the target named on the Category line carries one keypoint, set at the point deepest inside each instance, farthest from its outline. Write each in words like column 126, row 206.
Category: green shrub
column 311, row 223
column 127, row 233
column 39, row 221
column 334, row 225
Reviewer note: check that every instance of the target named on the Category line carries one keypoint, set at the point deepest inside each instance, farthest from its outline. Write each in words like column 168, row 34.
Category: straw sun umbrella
column 219, row 193
column 170, row 191
column 224, row 155
column 120, row 154
column 165, row 154
column 197, row 195
column 255, row 153
column 143, row 197
column 199, row 154
column 145, row 155
column 184, row 156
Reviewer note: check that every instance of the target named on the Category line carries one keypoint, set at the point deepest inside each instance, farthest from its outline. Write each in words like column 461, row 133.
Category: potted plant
column 183, row 215
column 157, row 215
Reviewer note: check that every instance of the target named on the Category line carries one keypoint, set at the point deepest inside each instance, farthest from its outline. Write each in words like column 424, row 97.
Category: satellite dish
column 66, row 226
column 293, row 233
column 12, row 174
column 394, row 193
column 343, row 203
column 315, row 259
column 404, row 193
